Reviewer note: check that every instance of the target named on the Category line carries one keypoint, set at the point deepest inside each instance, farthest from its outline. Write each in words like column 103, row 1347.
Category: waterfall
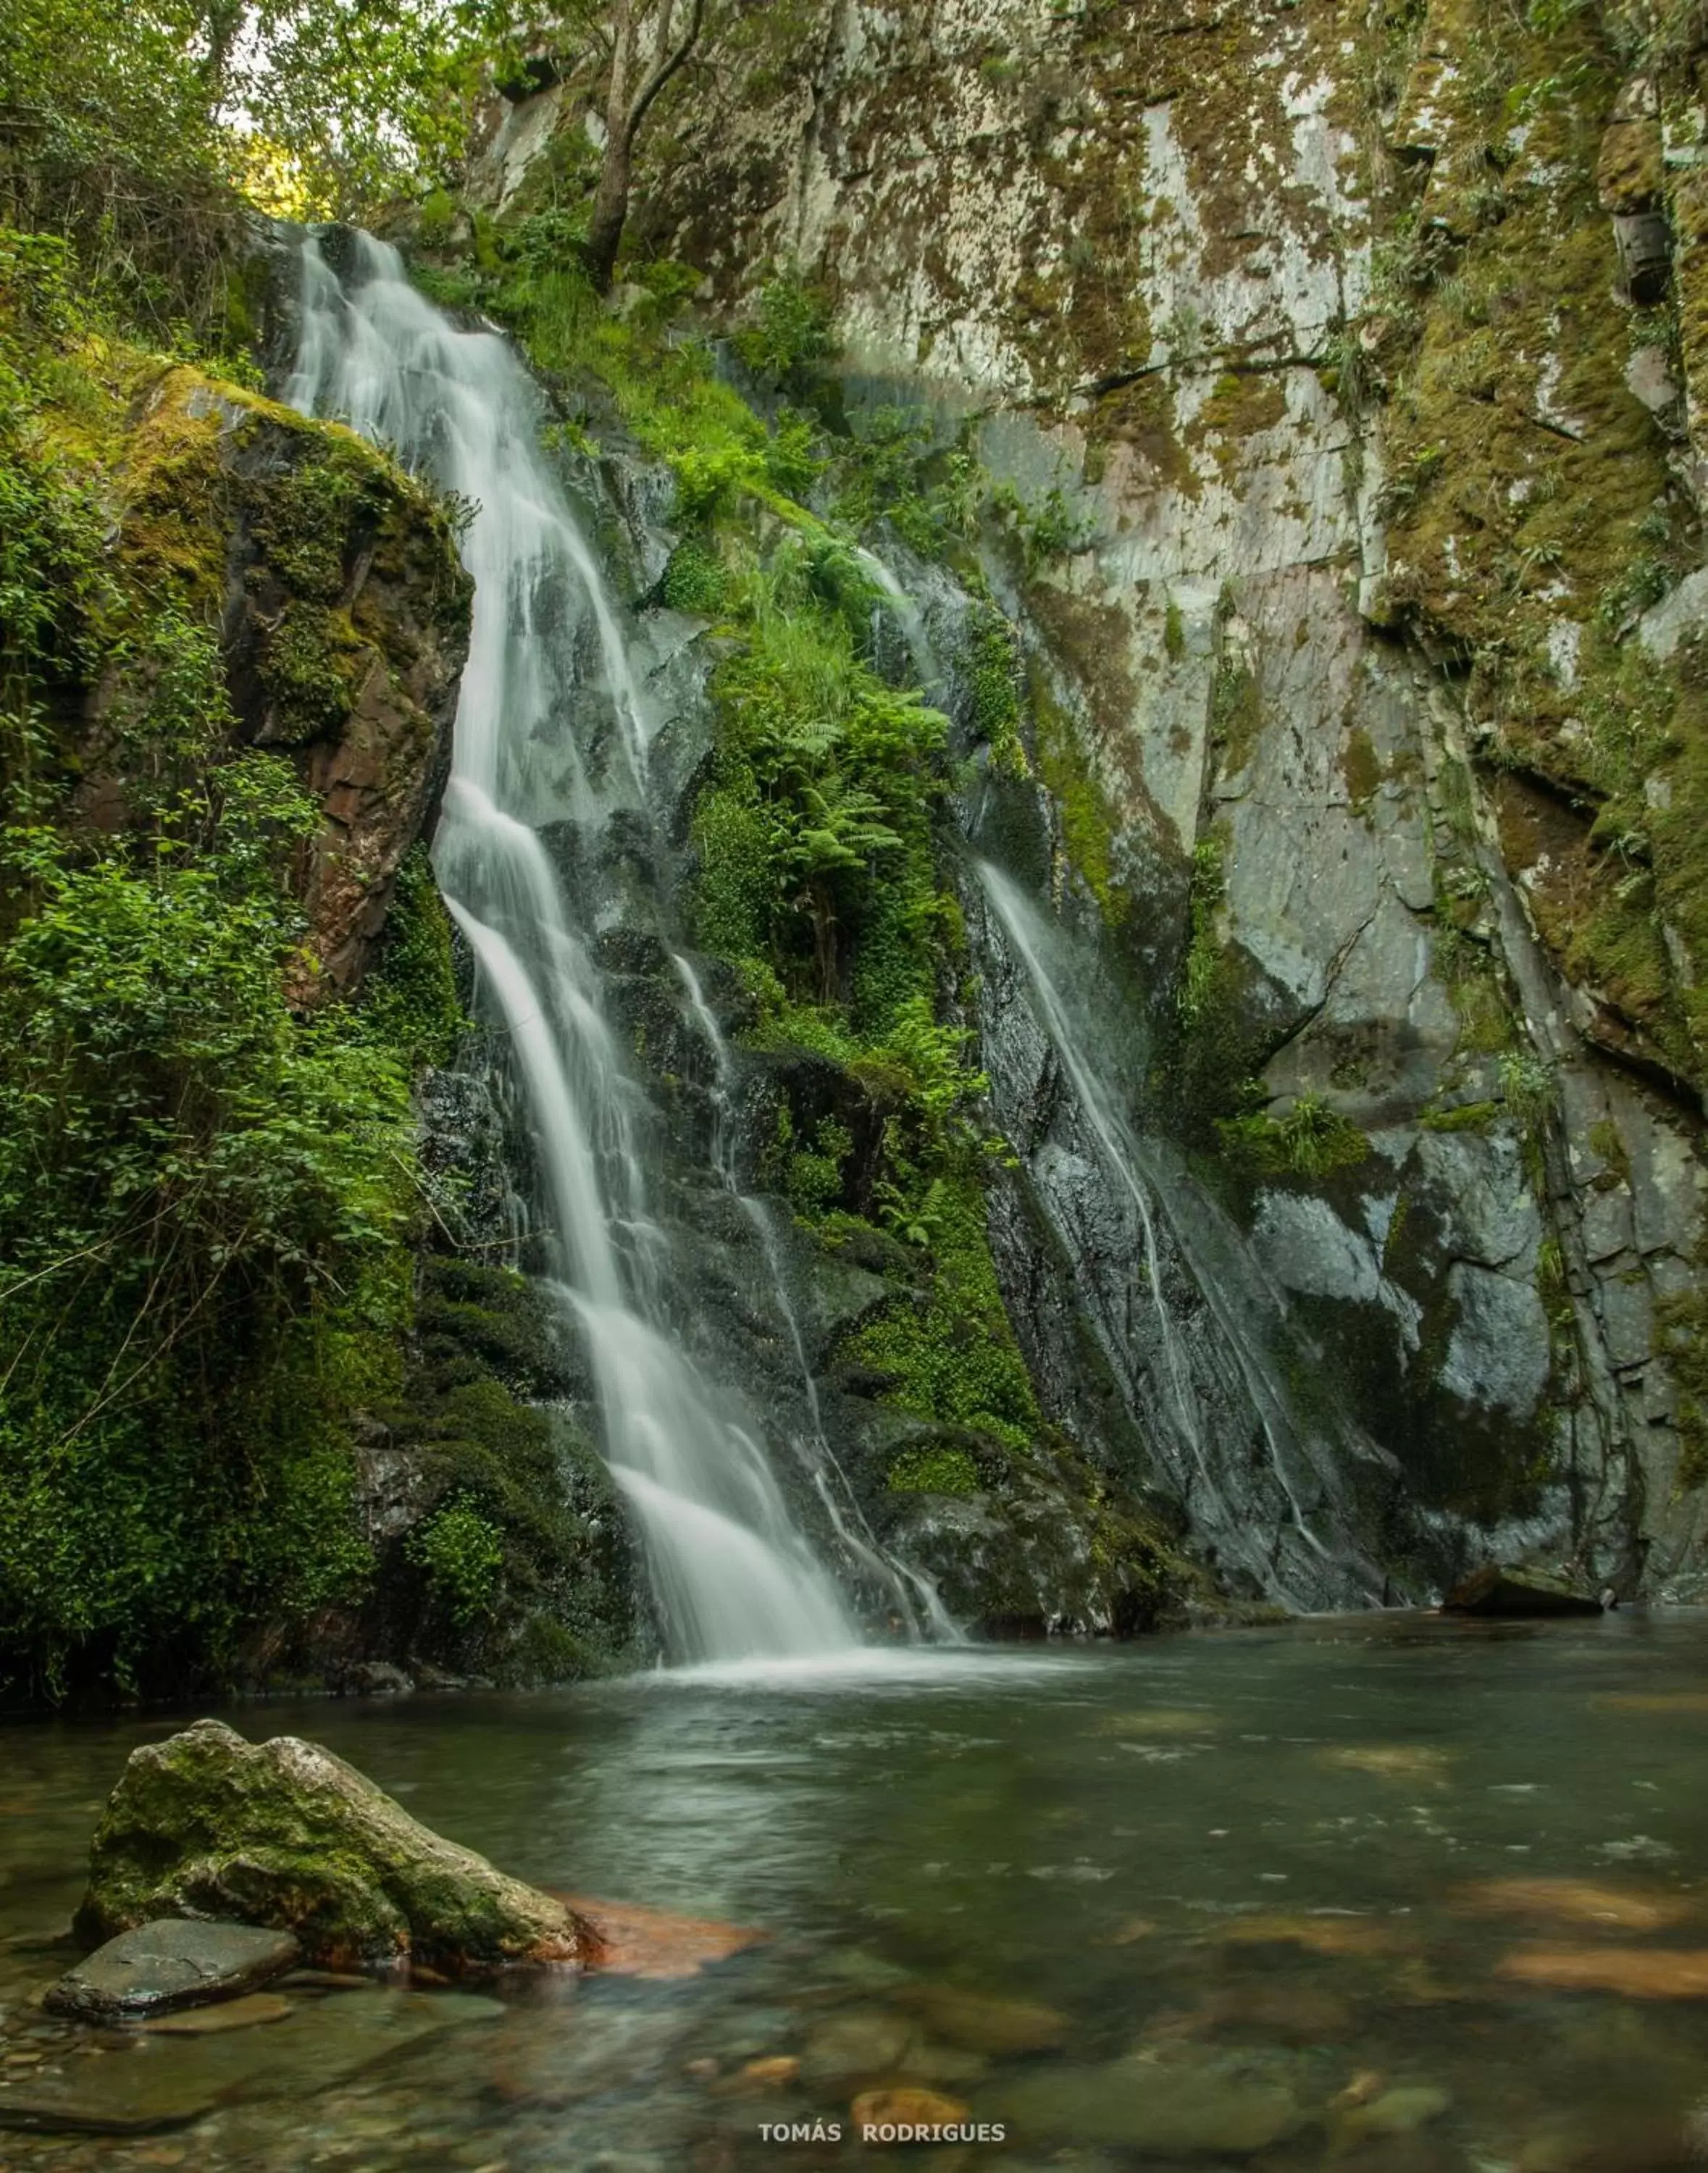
column 910, row 1594
column 552, row 721
column 1280, row 1546
column 908, row 616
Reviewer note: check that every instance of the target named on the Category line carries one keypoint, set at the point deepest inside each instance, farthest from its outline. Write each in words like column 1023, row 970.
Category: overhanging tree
column 641, row 64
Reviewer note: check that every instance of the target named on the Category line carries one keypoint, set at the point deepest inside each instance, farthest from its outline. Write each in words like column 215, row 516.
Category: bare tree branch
column 667, row 67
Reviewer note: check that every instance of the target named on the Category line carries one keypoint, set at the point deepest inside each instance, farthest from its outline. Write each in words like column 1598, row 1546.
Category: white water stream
column 912, row 1596
column 733, row 1577
column 1300, row 1570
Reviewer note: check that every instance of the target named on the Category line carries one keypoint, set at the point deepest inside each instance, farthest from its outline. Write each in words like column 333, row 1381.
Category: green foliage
column 1088, row 829
column 463, row 1555
column 409, row 1000
column 990, row 657
column 1204, row 1067
column 934, row 1470
column 207, row 1193
column 478, row 1413
column 951, row 1355
column 1468, row 1117
column 203, row 1200
column 1681, row 1337
column 813, row 1176
column 816, row 824
column 1310, row 1140
column 792, row 337
column 694, row 579
column 1048, row 530
column 891, row 465
column 1529, row 1087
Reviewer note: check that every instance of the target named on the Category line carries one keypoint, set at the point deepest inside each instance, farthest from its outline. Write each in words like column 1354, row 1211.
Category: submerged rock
column 285, row 1834
column 249, row 2013
column 156, row 2082
column 1632, row 1972
column 1577, row 1901
column 852, row 2047
column 170, row 1963
column 978, row 2023
column 1510, row 1588
column 907, row 2109
column 627, row 1939
column 1138, row 2105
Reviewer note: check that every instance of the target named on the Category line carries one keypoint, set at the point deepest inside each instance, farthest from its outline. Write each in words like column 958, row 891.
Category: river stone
column 1398, row 2111
column 287, row 1835
column 982, row 2024
column 172, row 1962
column 1144, row 2105
column 1511, row 1589
column 160, row 2082
column 852, row 2046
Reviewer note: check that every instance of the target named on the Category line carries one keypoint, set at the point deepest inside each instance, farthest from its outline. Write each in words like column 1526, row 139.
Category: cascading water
column 733, row 1577
column 911, row 1596
column 1281, row 1549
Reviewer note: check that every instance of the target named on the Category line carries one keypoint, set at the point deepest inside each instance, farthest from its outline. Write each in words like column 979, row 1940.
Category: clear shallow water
column 1264, row 1882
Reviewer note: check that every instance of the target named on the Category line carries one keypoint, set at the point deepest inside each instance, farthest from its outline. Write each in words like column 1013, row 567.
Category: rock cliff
column 1361, row 743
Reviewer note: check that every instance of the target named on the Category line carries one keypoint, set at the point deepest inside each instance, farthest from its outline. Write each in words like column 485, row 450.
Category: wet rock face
column 1162, row 238
column 283, row 1833
column 1340, row 717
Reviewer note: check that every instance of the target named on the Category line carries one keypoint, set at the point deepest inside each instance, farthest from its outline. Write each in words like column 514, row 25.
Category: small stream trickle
column 1282, row 1549
column 733, row 1576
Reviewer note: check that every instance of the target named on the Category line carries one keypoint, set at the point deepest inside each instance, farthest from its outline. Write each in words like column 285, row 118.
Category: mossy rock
column 285, row 1834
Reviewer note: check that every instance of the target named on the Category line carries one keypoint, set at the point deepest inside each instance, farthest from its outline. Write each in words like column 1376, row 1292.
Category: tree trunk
column 609, row 213
column 623, row 118
column 822, row 907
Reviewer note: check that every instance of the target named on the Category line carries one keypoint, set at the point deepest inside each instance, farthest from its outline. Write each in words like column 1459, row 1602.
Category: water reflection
column 1363, row 1893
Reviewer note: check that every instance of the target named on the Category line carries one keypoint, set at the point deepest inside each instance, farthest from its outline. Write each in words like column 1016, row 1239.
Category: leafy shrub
column 463, row 1555
column 1311, row 1140
column 792, row 337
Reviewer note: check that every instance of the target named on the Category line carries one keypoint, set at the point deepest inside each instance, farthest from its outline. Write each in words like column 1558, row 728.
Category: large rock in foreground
column 286, row 1834
column 1506, row 1588
column 169, row 1964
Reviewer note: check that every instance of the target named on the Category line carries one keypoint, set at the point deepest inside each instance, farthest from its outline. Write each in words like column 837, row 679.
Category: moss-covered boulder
column 285, row 1834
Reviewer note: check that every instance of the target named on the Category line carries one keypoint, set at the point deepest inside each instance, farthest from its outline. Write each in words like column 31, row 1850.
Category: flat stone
column 108, row 2097
column 1576, row 1901
column 170, row 1962
column 907, row 2109
column 254, row 2006
column 1398, row 2111
column 1510, row 1588
column 161, row 2082
column 1676, row 618
column 1392, row 1761
column 629, row 1939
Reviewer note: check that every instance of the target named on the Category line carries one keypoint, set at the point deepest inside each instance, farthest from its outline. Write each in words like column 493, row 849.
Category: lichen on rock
column 283, row 1833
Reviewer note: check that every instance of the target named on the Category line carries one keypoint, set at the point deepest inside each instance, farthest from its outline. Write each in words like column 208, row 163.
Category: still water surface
column 1379, row 1895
